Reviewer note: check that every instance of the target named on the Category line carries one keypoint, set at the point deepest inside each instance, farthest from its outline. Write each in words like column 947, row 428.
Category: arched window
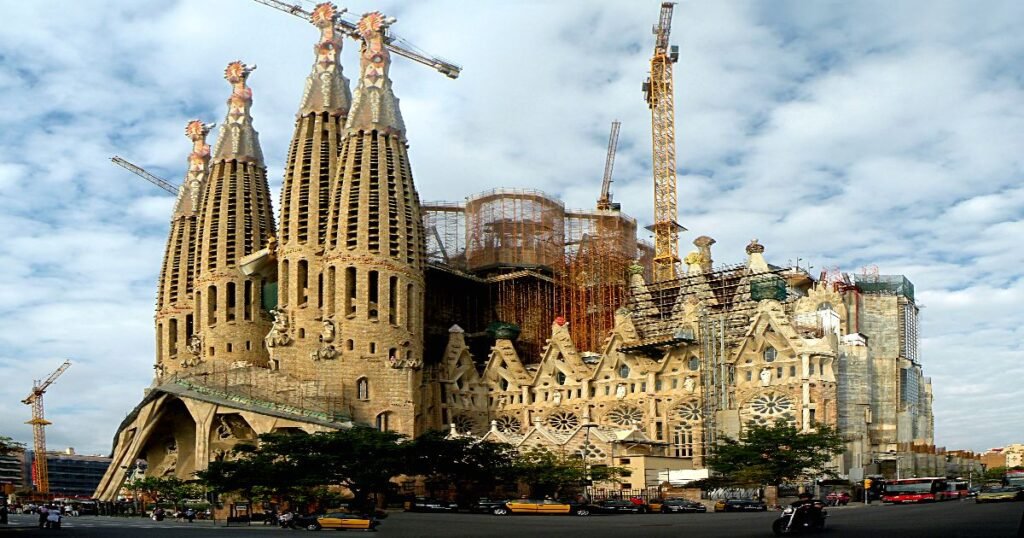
column 382, row 421
column 560, row 378
column 770, row 354
column 624, row 371
column 363, row 389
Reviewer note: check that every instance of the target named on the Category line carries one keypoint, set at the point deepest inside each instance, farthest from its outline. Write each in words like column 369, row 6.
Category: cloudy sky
column 841, row 133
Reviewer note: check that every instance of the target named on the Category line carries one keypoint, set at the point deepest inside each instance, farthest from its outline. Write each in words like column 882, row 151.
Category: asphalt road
column 949, row 519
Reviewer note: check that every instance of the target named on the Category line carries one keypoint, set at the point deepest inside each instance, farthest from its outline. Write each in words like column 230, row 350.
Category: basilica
column 506, row 317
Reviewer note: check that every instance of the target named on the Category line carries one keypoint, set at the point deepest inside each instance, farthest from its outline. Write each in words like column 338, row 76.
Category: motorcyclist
column 807, row 508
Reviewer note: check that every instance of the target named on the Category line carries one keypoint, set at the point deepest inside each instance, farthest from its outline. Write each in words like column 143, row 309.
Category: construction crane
column 605, row 201
column 393, row 43
column 139, row 171
column 39, row 423
column 658, row 91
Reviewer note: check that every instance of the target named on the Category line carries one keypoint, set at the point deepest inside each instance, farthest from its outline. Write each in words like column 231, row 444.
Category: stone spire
column 374, row 105
column 235, row 220
column 755, row 257
column 238, row 140
column 198, row 165
column 174, row 304
column 326, row 87
column 309, row 172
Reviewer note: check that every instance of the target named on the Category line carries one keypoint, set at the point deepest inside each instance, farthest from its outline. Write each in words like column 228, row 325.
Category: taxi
column 342, row 521
column 540, row 507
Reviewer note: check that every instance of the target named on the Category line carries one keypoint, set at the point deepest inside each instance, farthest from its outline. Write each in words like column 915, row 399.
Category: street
column 952, row 519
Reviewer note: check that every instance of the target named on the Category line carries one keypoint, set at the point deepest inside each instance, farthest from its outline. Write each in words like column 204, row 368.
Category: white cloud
column 847, row 134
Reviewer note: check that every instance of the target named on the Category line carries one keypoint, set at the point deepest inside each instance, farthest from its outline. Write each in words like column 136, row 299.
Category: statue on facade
column 558, row 398
column 620, row 391
column 278, row 335
column 766, row 376
column 689, row 384
column 327, row 334
column 325, row 352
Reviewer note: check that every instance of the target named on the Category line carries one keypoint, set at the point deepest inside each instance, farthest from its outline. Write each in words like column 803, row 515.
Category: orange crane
column 658, row 91
column 392, row 42
column 605, row 201
column 39, row 423
column 141, row 172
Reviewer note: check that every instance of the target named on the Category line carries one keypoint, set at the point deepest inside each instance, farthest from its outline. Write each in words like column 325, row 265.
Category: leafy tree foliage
column 552, row 473
column 775, row 454
column 165, row 489
column 468, row 464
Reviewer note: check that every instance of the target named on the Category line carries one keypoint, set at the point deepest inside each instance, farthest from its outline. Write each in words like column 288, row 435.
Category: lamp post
column 586, row 465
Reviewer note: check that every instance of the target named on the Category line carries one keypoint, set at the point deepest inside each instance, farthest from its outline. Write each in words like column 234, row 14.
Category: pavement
column 948, row 519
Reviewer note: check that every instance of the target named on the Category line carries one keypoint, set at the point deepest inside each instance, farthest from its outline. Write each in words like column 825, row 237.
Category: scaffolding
column 514, row 228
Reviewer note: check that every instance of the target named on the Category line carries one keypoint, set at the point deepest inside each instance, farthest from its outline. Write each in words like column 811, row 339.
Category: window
column 320, row 290
column 373, row 292
column 229, row 302
column 350, row 291
column 749, row 375
column 363, row 389
column 393, row 300
column 770, row 354
column 675, row 383
column 694, row 364
column 623, row 371
column 230, row 348
column 623, row 461
column 172, row 335
column 504, row 384
column 211, row 306
column 607, row 390
column 792, row 371
column 331, row 272
column 657, row 384
column 382, row 421
column 560, row 378
column 302, row 279
column 778, row 373
column 350, row 344
column 682, row 443
column 810, row 417
column 247, row 297
column 373, row 348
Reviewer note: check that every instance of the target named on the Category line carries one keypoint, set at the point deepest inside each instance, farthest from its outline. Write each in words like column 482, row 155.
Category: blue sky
column 842, row 133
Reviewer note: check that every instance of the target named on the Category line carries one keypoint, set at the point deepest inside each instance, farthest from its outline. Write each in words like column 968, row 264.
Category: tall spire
column 374, row 105
column 326, row 86
column 198, row 166
column 238, row 140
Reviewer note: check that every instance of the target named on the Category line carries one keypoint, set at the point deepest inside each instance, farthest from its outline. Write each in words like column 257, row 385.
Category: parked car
column 427, row 504
column 486, row 505
column 541, row 507
column 991, row 494
column 838, row 498
column 678, row 506
column 740, row 505
column 619, row 506
column 337, row 521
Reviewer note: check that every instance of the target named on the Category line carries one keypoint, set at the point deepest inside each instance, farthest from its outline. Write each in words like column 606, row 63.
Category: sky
column 839, row 134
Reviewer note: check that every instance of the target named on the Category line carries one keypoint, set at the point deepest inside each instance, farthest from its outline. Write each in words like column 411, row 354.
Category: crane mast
column 39, row 423
column 605, row 201
column 392, row 42
column 141, row 172
column 658, row 91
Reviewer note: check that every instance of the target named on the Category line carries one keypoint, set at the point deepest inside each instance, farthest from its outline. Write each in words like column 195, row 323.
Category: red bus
column 957, row 489
column 915, row 490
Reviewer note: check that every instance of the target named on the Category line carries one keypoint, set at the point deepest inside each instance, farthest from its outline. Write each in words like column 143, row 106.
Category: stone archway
column 170, row 448
column 228, row 430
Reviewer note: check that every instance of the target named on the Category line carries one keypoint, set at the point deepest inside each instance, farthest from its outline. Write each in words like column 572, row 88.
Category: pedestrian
column 53, row 519
column 190, row 515
column 3, row 514
column 43, row 512
column 271, row 517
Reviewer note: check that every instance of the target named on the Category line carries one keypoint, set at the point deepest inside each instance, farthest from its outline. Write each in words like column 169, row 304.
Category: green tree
column 472, row 466
column 775, row 454
column 550, row 473
column 9, row 446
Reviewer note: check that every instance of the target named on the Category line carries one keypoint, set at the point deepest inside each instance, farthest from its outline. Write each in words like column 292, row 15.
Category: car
column 991, row 494
column 428, row 504
column 618, row 506
column 541, row 507
column 740, row 505
column 338, row 521
column 838, row 498
column 486, row 505
column 679, row 506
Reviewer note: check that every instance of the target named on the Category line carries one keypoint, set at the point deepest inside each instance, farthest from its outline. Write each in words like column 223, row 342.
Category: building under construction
column 528, row 260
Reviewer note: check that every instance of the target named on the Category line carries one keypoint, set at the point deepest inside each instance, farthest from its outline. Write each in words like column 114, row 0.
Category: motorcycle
column 805, row 517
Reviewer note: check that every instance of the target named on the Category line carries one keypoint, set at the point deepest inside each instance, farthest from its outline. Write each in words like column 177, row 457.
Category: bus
column 915, row 490
column 957, row 489
column 1014, row 477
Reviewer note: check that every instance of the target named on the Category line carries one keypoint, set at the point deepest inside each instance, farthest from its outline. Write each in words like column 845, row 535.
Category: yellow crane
column 141, row 172
column 392, row 42
column 605, row 201
column 38, row 422
column 658, row 91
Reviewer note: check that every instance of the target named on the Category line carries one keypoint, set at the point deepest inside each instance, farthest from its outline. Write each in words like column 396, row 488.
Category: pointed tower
column 309, row 172
column 375, row 255
column 174, row 321
column 235, row 221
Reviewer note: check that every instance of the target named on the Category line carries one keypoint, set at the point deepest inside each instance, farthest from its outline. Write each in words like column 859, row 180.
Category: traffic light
column 867, row 483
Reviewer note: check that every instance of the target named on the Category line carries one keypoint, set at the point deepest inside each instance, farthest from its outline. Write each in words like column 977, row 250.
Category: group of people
column 49, row 516
column 188, row 514
column 286, row 519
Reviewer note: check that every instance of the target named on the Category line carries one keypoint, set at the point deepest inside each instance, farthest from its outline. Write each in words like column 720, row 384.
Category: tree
column 550, row 473
column 775, row 454
column 467, row 464
column 9, row 446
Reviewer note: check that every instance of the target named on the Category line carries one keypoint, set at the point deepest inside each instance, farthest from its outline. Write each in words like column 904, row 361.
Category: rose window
column 766, row 408
column 689, row 411
column 626, row 415
column 508, row 424
column 563, row 421
column 463, row 424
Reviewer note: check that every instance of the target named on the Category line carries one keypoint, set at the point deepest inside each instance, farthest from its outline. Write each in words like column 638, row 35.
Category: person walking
column 43, row 512
column 190, row 515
